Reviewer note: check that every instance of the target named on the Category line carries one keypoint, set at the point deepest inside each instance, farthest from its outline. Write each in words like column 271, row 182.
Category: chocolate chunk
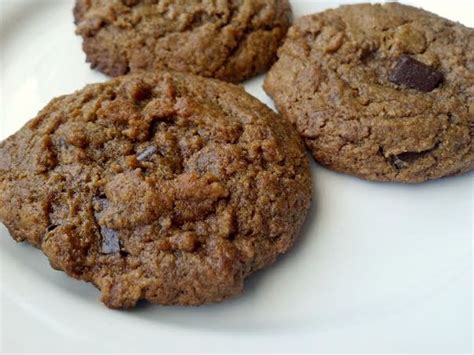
column 110, row 240
column 397, row 163
column 148, row 152
column 402, row 160
column 415, row 75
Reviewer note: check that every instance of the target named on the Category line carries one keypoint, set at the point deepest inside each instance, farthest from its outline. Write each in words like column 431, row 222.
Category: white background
column 379, row 267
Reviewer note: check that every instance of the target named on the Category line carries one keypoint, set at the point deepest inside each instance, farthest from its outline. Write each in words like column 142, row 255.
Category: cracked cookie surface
column 229, row 40
column 166, row 187
column 351, row 81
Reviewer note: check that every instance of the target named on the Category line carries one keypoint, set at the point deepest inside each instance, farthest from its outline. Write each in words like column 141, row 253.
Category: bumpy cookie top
column 384, row 92
column 167, row 187
column 228, row 40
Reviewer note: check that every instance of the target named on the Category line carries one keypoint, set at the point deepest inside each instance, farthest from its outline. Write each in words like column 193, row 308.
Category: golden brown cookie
column 171, row 188
column 228, row 40
column 383, row 92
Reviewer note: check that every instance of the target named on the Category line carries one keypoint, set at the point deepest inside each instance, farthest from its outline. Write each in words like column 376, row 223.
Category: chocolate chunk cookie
column 228, row 40
column 383, row 92
column 167, row 187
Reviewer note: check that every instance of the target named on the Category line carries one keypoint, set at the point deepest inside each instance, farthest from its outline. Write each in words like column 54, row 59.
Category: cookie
column 171, row 188
column 383, row 92
column 228, row 40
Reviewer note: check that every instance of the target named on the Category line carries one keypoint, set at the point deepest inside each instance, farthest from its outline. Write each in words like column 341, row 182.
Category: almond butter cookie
column 383, row 92
column 228, row 40
column 171, row 188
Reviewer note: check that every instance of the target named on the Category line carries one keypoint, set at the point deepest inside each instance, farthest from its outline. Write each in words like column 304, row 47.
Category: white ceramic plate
column 378, row 267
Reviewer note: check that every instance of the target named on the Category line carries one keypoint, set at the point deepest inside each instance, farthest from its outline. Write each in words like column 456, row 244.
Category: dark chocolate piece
column 110, row 239
column 415, row 75
column 148, row 152
column 403, row 160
